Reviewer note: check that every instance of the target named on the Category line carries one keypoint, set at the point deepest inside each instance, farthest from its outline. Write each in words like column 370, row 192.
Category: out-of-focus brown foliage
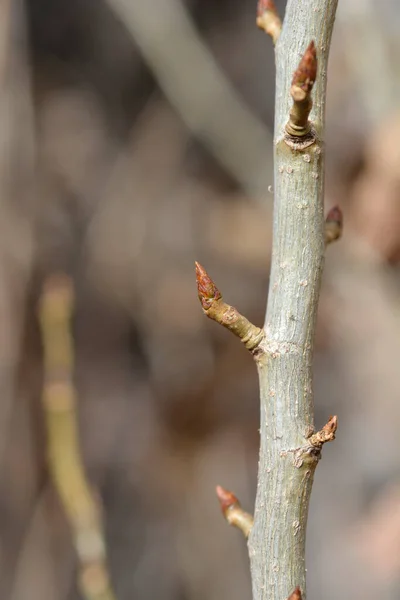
column 376, row 201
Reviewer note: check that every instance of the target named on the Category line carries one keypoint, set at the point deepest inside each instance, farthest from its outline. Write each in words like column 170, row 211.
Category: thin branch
column 216, row 309
column 268, row 19
column 327, row 433
column 333, row 225
column 64, row 455
column 302, row 84
column 296, row 594
column 233, row 511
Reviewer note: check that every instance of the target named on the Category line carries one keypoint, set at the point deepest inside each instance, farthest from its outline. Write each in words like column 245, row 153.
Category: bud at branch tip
column 333, row 225
column 216, row 309
column 303, row 80
column 268, row 19
column 208, row 291
column 306, row 73
column 327, row 433
column 233, row 511
column 226, row 499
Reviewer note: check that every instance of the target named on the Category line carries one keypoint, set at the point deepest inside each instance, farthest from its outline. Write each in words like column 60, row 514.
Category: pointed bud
column 327, row 433
column 306, row 72
column 330, row 428
column 208, row 291
column 335, row 215
column 264, row 6
column 333, row 225
column 296, row 594
column 226, row 499
column 268, row 19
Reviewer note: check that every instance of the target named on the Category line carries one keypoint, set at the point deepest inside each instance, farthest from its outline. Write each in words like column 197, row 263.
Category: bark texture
column 287, row 458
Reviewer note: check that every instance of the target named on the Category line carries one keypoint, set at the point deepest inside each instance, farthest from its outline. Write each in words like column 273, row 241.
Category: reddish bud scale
column 295, row 595
column 306, row 72
column 266, row 6
column 226, row 499
column 335, row 215
column 208, row 291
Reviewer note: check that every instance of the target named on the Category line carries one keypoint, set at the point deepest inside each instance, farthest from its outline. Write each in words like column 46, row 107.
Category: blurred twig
column 370, row 57
column 65, row 463
column 17, row 205
column 198, row 89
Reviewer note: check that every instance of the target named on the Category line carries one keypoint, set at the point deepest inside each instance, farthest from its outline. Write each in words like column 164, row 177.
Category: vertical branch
column 65, row 463
column 288, row 450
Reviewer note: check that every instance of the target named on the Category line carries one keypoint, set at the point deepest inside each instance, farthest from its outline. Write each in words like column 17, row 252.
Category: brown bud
column 333, row 225
column 306, row 72
column 296, row 594
column 226, row 499
column 266, row 6
column 327, row 433
column 331, row 427
column 335, row 215
column 208, row 291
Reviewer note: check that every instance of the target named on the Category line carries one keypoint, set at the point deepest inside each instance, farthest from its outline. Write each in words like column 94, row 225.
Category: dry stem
column 224, row 314
column 65, row 463
column 302, row 84
column 268, row 19
column 233, row 511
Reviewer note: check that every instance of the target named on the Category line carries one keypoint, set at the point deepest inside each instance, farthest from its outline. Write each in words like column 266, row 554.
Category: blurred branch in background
column 369, row 58
column 17, row 205
column 199, row 90
column 65, row 462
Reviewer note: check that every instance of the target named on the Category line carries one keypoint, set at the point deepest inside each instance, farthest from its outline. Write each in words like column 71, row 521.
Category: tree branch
column 287, row 458
column 65, row 463
column 233, row 511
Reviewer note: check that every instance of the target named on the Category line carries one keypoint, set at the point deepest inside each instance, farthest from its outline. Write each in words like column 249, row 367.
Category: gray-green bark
column 287, row 460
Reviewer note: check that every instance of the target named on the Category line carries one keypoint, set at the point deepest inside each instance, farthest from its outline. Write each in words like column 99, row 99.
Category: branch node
column 327, row 433
column 303, row 80
column 216, row 309
column 268, row 19
column 333, row 225
column 233, row 511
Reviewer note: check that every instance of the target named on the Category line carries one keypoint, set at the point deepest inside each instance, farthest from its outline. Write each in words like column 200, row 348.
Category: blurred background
column 135, row 138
